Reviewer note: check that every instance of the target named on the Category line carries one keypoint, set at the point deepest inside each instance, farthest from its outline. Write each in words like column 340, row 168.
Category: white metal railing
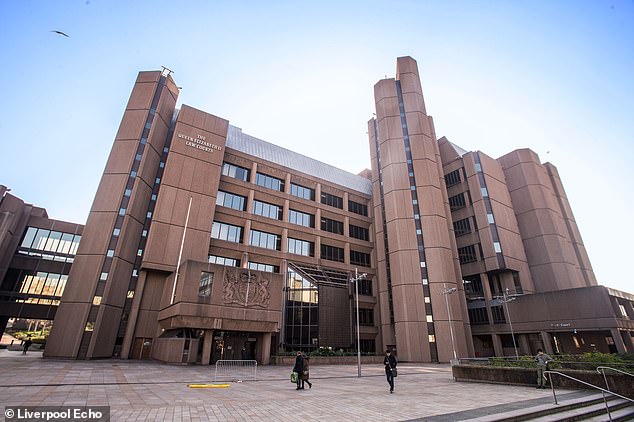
column 239, row 370
column 603, row 390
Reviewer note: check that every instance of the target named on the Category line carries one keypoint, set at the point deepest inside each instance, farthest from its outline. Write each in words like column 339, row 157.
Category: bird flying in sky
column 61, row 33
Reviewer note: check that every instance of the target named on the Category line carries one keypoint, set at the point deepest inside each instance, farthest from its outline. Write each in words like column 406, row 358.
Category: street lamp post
column 505, row 301
column 447, row 292
column 355, row 280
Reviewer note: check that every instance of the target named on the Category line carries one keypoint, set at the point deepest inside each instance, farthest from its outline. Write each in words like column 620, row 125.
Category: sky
column 553, row 76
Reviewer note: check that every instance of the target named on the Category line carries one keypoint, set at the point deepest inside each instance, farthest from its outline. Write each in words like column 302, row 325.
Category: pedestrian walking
column 27, row 343
column 306, row 373
column 390, row 368
column 299, row 368
column 542, row 360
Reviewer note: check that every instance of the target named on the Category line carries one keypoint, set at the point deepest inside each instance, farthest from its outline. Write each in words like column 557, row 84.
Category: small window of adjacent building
column 358, row 208
column 228, row 232
column 467, row 254
column 366, row 317
column 478, row 316
column 457, row 202
column 267, row 210
column 332, row 253
column 258, row 266
column 452, row 178
column 204, row 286
column 359, row 258
column 265, row 240
column 300, row 247
column 332, row 200
column 498, row 315
column 357, row 232
column 302, row 192
column 301, row 218
column 222, row 260
column 332, row 226
column 462, row 227
column 231, row 200
column 365, row 287
column 236, row 172
column 269, row 182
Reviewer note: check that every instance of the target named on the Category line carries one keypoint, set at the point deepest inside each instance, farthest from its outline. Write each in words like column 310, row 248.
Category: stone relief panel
column 246, row 288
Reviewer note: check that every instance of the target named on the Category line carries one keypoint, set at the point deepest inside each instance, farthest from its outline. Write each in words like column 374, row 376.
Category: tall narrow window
column 204, row 286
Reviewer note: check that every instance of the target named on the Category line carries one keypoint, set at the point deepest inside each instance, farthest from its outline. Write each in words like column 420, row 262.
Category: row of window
column 299, row 191
column 231, row 233
column 43, row 284
column 61, row 246
column 300, row 218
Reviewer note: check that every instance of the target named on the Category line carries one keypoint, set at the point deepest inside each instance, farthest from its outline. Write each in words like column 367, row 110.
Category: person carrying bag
column 390, row 363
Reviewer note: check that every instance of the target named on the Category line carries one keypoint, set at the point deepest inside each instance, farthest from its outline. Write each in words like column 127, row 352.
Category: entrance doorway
column 233, row 345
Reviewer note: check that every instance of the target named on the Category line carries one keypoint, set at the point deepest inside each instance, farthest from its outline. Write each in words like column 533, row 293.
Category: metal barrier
column 603, row 391
column 236, row 370
column 601, row 370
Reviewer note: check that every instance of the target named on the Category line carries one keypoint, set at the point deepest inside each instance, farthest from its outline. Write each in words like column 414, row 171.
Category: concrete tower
column 417, row 259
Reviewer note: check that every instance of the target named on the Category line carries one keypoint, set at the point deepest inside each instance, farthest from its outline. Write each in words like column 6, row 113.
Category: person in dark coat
column 299, row 368
column 390, row 365
column 27, row 343
column 305, row 373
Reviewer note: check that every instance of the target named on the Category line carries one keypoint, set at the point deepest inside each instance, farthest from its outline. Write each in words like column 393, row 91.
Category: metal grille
column 236, row 370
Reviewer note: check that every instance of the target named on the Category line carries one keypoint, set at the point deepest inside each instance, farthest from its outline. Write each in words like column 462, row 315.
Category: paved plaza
column 149, row 391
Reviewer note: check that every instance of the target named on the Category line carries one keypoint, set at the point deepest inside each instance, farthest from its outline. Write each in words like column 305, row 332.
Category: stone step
column 621, row 415
column 584, row 413
column 550, row 411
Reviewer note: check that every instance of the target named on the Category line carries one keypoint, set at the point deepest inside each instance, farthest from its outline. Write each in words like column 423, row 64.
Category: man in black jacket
column 390, row 366
column 299, row 368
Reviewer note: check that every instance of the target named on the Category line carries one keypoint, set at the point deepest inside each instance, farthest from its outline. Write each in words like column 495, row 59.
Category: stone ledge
column 620, row 384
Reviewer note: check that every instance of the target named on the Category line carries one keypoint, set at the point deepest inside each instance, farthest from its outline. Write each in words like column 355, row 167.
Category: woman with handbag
column 390, row 368
column 299, row 368
column 306, row 373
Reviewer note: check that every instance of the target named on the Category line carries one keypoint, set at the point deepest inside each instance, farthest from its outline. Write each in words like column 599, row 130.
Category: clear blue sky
column 555, row 76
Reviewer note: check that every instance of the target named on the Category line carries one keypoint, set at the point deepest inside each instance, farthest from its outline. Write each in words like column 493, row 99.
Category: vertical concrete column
column 524, row 345
column 497, row 345
column 618, row 340
column 285, row 240
column 318, row 193
column 265, row 349
column 345, row 201
column 250, row 201
column 207, row 344
column 254, row 170
column 245, row 259
column 318, row 247
column 285, row 210
column 246, row 234
column 318, row 219
column 548, row 344
column 287, row 183
column 346, row 226
column 346, row 253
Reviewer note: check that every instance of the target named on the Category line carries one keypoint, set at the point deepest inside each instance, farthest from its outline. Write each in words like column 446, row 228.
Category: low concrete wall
column 328, row 360
column 621, row 384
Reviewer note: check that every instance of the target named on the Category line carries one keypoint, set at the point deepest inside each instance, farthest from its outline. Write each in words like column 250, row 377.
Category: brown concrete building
column 205, row 243
column 36, row 254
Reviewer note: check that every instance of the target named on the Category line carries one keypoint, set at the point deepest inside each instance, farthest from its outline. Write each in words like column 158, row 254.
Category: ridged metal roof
column 251, row 145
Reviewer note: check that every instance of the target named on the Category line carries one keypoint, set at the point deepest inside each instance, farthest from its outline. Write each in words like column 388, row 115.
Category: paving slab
column 149, row 391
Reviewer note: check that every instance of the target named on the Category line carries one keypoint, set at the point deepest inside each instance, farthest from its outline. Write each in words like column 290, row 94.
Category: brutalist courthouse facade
column 205, row 243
